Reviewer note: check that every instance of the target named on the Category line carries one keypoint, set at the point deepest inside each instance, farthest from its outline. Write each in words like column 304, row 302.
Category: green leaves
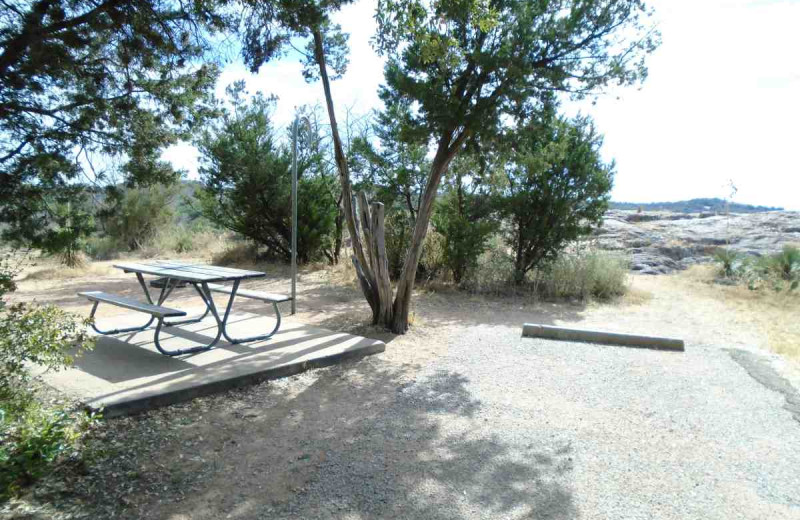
column 31, row 437
column 92, row 90
column 558, row 187
column 246, row 175
column 469, row 65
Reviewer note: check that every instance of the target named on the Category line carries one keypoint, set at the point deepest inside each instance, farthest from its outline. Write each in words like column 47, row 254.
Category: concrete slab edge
column 760, row 369
column 142, row 404
column 534, row 330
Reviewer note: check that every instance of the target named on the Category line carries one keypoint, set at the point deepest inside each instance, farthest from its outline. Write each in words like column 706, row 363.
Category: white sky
column 721, row 103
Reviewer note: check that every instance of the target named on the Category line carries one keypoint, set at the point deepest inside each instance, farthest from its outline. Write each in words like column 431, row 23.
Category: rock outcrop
column 663, row 242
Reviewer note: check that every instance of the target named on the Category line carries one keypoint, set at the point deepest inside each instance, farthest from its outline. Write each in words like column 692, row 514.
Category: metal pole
column 294, row 213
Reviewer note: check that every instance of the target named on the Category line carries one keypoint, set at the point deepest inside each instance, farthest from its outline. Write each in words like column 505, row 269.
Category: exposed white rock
column 662, row 242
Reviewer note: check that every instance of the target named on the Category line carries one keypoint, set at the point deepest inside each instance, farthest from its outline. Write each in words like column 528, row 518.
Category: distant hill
column 693, row 206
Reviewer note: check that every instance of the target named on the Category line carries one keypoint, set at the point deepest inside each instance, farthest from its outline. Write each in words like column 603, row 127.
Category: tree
column 87, row 85
column 558, row 187
column 466, row 66
column 471, row 66
column 247, row 179
column 465, row 214
column 267, row 29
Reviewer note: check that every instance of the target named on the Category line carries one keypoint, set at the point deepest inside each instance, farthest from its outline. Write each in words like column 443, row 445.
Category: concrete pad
column 125, row 373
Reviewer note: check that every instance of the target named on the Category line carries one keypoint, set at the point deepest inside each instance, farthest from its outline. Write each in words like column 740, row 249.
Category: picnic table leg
column 116, row 331
column 205, row 293
column 189, row 320
column 235, row 341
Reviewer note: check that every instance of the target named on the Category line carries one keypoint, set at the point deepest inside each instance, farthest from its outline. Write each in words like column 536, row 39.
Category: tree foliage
column 396, row 169
column 558, row 187
column 466, row 214
column 247, row 178
column 133, row 216
column 87, row 86
column 472, row 67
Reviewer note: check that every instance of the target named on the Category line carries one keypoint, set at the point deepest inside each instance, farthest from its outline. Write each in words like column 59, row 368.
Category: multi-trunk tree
column 472, row 67
column 468, row 68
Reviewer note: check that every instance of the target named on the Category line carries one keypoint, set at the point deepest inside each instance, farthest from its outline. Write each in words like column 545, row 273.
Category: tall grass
column 574, row 275
column 581, row 276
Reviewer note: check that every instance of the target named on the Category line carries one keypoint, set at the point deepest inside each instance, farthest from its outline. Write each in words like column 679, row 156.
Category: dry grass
column 634, row 296
column 48, row 271
column 773, row 314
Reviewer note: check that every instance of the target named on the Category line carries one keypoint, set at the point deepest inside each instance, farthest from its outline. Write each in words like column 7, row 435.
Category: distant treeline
column 693, row 206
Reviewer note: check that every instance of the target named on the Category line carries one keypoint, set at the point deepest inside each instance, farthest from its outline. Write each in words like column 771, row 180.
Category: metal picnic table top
column 189, row 272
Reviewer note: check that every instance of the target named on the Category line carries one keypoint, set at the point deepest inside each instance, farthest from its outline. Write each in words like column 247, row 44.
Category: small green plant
column 728, row 260
column 787, row 263
column 778, row 271
column 33, row 437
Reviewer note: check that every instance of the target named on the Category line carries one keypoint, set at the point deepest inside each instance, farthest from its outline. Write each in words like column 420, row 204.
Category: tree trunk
column 338, row 231
column 447, row 149
column 372, row 270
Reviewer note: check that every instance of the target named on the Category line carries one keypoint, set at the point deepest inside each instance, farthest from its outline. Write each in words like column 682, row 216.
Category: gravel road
column 504, row 427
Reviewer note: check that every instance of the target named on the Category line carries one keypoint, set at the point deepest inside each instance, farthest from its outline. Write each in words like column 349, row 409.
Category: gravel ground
column 463, row 418
column 504, row 427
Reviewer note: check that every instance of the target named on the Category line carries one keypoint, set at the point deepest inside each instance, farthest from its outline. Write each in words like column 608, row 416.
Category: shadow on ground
column 362, row 440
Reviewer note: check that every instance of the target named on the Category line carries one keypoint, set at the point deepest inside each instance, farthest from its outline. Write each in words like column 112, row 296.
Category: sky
column 720, row 106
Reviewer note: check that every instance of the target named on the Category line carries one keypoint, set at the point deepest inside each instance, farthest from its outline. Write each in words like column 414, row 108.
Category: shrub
column 246, row 176
column 583, row 275
column 729, row 261
column 398, row 230
column 56, row 220
column 102, row 247
column 241, row 253
column 776, row 271
column 135, row 216
column 465, row 220
column 494, row 269
column 32, row 438
column 558, row 188
column 787, row 263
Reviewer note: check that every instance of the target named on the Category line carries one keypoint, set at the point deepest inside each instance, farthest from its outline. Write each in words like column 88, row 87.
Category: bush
column 786, row 264
column 32, row 438
column 465, row 220
column 247, row 177
column 242, row 253
column 137, row 214
column 494, row 269
column 729, row 261
column 778, row 271
column 102, row 247
column 397, row 231
column 580, row 276
column 559, row 188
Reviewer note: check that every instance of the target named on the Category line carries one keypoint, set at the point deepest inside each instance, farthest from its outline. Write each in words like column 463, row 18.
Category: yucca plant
column 787, row 263
column 728, row 259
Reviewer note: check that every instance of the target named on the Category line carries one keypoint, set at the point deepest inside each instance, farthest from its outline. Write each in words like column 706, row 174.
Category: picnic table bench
column 205, row 279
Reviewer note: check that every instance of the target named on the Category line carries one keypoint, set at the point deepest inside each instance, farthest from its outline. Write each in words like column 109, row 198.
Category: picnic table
column 205, row 279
